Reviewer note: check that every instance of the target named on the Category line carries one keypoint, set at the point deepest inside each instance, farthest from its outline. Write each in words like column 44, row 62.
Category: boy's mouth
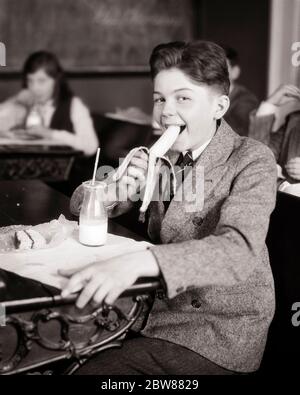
column 182, row 127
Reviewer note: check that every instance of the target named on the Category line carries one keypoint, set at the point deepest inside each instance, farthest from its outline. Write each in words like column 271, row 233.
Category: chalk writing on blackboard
column 93, row 34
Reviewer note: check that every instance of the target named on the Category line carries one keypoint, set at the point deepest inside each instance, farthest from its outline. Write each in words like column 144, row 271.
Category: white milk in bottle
column 93, row 215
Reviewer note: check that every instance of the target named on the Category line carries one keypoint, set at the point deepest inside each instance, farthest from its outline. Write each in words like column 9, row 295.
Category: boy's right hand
column 135, row 177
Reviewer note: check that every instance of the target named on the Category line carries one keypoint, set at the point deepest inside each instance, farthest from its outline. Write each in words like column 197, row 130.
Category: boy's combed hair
column 203, row 61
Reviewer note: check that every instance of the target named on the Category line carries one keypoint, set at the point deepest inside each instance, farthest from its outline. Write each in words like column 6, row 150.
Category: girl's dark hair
column 202, row 61
column 50, row 64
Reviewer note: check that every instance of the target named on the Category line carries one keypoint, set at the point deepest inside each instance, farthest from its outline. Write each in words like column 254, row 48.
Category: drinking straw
column 96, row 165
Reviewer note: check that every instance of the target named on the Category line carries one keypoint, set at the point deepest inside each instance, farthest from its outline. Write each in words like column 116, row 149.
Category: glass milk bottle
column 93, row 215
column 33, row 118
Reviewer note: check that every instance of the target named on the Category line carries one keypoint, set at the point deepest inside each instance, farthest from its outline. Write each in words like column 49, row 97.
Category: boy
column 213, row 261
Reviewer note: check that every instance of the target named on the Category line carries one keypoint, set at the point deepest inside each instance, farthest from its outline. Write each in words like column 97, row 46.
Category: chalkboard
column 93, row 35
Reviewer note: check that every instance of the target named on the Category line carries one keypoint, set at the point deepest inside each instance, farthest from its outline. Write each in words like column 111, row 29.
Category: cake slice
column 38, row 240
column 28, row 239
column 22, row 240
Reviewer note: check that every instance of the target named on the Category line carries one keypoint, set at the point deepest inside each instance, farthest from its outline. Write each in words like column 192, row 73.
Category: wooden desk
column 41, row 327
column 50, row 163
column 32, row 202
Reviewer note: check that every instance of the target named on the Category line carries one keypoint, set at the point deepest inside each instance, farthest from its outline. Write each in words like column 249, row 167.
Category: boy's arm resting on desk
column 107, row 280
column 230, row 254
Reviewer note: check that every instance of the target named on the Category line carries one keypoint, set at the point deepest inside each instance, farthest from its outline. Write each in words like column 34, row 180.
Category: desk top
column 31, row 203
column 20, row 140
column 47, row 327
column 30, row 148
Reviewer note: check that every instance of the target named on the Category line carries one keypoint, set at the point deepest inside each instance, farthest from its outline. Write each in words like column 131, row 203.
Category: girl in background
column 52, row 110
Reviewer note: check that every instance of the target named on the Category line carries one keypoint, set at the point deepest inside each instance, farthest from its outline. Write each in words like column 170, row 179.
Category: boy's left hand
column 105, row 281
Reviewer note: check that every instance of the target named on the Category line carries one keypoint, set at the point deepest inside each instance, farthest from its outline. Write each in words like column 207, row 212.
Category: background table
column 51, row 163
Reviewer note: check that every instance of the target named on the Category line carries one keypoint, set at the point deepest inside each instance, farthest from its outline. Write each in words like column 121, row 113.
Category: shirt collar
column 197, row 152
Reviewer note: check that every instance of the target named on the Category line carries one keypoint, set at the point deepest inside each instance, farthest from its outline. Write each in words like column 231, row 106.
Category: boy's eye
column 158, row 100
column 183, row 99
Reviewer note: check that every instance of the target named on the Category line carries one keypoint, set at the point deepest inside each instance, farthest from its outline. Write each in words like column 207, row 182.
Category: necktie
column 183, row 162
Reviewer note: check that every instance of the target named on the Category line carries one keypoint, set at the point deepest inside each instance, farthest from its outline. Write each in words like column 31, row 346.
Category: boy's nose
column 168, row 109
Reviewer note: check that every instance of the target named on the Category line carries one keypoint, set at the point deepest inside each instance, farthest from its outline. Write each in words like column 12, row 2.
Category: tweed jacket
column 219, row 291
column 219, row 298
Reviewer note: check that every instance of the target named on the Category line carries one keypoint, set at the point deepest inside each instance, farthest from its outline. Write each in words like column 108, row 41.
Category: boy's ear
column 222, row 105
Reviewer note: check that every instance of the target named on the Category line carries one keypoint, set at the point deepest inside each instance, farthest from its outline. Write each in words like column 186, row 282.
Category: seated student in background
column 51, row 109
column 277, row 124
column 218, row 297
column 242, row 101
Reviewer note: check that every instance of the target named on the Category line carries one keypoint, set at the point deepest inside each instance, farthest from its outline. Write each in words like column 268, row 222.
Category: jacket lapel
column 210, row 166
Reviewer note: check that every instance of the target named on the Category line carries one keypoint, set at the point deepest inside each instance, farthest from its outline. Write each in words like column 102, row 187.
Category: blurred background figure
column 12, row 115
column 46, row 107
column 242, row 100
column 277, row 124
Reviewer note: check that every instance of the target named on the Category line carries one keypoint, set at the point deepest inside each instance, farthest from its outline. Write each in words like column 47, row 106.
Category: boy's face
column 180, row 101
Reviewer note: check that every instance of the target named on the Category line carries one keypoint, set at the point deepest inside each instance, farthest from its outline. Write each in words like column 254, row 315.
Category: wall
column 285, row 30
column 106, row 93
column 243, row 25
column 112, row 39
column 93, row 35
column 102, row 93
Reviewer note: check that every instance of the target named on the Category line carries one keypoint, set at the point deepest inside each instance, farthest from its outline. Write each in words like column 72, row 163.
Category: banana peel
column 156, row 153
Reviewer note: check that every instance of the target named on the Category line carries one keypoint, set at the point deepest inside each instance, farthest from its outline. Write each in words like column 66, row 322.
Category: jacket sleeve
column 229, row 255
